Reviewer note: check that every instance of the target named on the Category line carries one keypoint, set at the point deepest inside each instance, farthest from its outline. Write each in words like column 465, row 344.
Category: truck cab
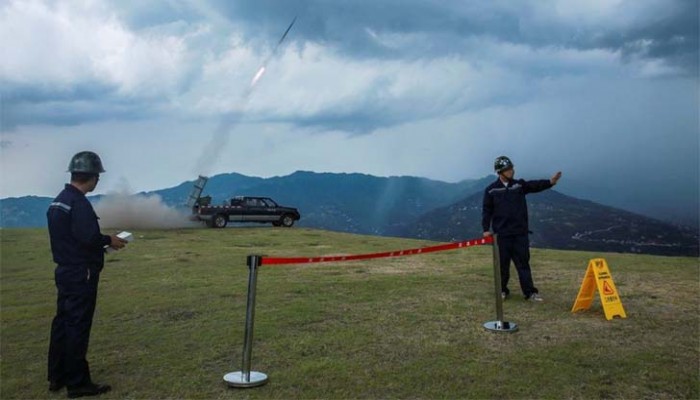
column 239, row 209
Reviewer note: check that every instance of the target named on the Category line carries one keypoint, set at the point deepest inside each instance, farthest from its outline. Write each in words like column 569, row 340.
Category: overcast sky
column 604, row 90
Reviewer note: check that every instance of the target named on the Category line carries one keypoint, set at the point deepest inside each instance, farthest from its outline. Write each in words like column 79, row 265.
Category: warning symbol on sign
column 607, row 290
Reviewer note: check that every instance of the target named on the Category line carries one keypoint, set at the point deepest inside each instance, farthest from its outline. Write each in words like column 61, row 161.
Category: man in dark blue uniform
column 78, row 250
column 505, row 213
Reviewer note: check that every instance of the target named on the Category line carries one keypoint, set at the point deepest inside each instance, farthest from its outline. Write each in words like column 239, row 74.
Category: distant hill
column 24, row 212
column 563, row 222
column 416, row 207
column 354, row 203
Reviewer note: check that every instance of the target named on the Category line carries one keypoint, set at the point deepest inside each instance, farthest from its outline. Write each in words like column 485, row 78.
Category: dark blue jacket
column 74, row 231
column 505, row 208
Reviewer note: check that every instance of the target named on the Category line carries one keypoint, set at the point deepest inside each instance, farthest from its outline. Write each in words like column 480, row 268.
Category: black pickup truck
column 244, row 209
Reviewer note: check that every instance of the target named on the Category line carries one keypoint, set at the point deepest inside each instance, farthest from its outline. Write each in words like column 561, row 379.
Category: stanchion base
column 236, row 379
column 501, row 326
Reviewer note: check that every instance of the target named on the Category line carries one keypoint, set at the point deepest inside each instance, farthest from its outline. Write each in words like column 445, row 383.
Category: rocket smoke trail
column 123, row 209
column 212, row 152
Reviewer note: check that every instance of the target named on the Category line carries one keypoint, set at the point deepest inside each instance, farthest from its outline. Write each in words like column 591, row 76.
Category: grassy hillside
column 171, row 310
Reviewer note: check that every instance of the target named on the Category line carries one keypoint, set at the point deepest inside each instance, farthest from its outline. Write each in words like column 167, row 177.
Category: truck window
column 269, row 203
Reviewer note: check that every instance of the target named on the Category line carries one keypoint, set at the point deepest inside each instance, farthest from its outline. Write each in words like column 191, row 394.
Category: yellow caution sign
column 598, row 276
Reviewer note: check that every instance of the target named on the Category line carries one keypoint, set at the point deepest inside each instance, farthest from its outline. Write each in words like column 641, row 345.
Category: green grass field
column 171, row 313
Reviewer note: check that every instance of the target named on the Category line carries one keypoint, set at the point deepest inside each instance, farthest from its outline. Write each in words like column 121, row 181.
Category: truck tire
column 287, row 221
column 220, row 221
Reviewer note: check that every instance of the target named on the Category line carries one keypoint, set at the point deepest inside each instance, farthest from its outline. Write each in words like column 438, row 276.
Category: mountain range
column 563, row 222
column 418, row 208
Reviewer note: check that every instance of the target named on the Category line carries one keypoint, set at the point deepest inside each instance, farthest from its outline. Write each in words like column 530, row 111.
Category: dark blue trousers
column 70, row 329
column 517, row 249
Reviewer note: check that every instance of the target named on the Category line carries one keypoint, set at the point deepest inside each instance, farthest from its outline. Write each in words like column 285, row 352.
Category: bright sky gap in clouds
column 605, row 91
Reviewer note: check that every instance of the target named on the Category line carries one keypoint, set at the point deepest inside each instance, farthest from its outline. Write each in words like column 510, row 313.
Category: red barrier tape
column 398, row 253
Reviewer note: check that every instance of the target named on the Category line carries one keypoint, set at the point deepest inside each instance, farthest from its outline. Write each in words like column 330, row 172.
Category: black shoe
column 55, row 386
column 91, row 389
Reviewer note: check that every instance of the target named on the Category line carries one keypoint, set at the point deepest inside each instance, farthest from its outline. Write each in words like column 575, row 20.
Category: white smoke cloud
column 124, row 210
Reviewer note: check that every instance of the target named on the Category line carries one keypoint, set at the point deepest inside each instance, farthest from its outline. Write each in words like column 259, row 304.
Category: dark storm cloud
column 410, row 30
column 347, row 25
column 74, row 105
column 401, row 31
column 678, row 50
column 144, row 14
column 673, row 38
column 32, row 94
column 359, row 121
column 669, row 33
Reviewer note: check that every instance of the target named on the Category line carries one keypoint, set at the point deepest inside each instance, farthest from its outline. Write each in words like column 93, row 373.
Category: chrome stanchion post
column 499, row 325
column 246, row 378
